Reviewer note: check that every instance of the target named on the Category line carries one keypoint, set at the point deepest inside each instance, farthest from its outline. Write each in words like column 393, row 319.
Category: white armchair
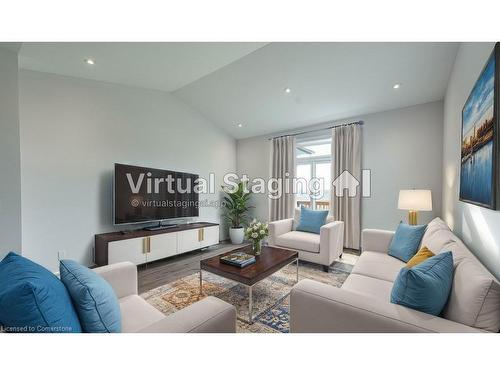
column 210, row 315
column 321, row 248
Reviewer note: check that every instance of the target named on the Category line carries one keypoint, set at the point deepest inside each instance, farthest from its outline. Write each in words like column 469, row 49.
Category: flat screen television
column 144, row 194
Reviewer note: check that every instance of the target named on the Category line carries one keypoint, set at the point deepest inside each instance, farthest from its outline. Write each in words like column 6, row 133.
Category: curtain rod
column 317, row 130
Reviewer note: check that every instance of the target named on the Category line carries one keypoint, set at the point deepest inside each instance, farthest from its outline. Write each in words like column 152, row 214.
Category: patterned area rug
column 270, row 296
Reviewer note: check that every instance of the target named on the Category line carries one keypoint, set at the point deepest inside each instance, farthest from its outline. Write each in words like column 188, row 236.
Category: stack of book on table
column 238, row 259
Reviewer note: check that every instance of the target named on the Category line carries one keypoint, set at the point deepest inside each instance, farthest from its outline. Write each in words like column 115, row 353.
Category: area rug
column 270, row 296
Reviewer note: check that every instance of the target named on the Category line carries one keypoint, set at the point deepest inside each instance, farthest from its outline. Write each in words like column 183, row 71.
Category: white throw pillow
column 475, row 293
column 474, row 298
column 296, row 218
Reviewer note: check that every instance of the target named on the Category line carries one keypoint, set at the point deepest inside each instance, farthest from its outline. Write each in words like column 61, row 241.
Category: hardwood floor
column 162, row 272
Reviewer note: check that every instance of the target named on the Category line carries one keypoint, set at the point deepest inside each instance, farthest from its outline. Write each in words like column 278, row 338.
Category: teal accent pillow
column 406, row 240
column 311, row 220
column 426, row 286
column 94, row 299
column 33, row 299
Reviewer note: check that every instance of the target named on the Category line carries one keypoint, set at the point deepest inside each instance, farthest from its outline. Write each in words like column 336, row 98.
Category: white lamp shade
column 415, row 200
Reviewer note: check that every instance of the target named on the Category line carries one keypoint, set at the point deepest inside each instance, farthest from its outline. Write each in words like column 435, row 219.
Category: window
column 314, row 163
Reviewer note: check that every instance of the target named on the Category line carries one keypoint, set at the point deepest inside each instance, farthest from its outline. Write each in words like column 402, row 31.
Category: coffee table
column 271, row 260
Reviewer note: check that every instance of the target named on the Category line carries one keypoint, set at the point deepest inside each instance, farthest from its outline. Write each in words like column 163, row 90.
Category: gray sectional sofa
column 363, row 304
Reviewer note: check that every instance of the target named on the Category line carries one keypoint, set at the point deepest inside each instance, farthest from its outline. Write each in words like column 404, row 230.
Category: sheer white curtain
column 283, row 152
column 346, row 190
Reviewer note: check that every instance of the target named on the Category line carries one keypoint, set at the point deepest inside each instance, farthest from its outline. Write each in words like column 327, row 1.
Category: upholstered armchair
column 322, row 248
column 210, row 315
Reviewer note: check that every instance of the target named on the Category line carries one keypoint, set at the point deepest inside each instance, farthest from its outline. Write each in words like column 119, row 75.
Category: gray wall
column 73, row 130
column 478, row 227
column 10, row 180
column 403, row 149
column 252, row 158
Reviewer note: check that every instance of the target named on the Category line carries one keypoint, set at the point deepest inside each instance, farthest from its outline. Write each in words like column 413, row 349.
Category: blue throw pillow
column 311, row 220
column 406, row 240
column 33, row 299
column 426, row 286
column 94, row 299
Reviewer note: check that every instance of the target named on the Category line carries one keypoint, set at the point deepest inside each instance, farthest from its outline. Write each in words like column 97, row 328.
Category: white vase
column 237, row 235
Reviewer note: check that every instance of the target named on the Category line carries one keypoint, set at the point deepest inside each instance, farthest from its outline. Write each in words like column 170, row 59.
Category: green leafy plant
column 236, row 206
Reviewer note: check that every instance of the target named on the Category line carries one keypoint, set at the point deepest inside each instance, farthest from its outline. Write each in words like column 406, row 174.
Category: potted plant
column 236, row 206
column 256, row 232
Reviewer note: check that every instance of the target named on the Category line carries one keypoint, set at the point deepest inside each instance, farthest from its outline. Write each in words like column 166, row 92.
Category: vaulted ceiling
column 160, row 66
column 245, row 83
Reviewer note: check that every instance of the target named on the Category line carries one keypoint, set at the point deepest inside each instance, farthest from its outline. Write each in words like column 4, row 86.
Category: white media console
column 143, row 246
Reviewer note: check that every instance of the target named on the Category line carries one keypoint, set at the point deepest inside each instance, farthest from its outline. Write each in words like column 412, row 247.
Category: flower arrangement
column 256, row 232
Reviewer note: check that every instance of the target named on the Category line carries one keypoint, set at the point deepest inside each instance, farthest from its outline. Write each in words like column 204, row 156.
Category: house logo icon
column 345, row 181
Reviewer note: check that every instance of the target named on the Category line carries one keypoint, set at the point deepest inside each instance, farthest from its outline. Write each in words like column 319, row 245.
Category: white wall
column 10, row 177
column 478, row 227
column 73, row 130
column 403, row 149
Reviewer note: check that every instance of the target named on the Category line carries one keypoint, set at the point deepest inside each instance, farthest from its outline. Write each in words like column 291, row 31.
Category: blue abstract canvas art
column 477, row 171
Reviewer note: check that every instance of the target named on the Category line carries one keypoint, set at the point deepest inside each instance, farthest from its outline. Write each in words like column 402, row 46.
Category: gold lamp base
column 412, row 217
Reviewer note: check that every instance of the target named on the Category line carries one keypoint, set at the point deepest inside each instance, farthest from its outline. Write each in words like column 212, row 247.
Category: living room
column 259, row 185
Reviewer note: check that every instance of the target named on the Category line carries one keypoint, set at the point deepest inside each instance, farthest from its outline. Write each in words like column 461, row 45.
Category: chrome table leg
column 297, row 270
column 250, row 305
column 201, row 282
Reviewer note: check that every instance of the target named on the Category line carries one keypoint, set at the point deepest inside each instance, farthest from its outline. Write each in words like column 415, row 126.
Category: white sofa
column 363, row 304
column 321, row 248
column 209, row 315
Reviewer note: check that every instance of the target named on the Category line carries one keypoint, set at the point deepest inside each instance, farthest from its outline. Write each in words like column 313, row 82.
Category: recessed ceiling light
column 288, row 90
column 89, row 61
column 396, row 86
column 240, row 125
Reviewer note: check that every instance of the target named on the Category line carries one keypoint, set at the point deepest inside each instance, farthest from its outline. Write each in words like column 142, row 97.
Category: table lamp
column 414, row 201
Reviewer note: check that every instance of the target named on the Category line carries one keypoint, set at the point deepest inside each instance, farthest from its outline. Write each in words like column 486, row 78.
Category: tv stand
column 144, row 246
column 161, row 226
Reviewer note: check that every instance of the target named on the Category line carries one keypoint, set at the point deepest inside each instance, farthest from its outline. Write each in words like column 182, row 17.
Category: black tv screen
column 146, row 194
